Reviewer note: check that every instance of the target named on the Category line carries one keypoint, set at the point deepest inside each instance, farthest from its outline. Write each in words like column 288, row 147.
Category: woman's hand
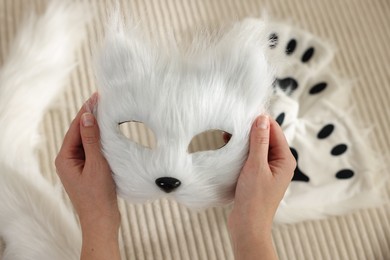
column 87, row 179
column 260, row 188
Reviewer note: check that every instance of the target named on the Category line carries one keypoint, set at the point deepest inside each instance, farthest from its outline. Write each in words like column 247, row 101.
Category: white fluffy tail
column 35, row 71
column 34, row 221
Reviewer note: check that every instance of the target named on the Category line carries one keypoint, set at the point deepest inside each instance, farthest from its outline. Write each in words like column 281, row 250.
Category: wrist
column 250, row 236
column 244, row 223
column 252, row 245
column 100, row 240
column 98, row 224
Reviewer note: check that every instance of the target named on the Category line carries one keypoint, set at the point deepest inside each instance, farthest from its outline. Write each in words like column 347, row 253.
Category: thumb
column 259, row 140
column 90, row 135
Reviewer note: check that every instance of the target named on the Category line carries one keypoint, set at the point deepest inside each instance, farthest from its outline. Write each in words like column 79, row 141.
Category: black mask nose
column 167, row 184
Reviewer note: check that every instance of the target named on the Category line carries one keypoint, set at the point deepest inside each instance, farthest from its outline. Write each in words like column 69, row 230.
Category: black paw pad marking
column 280, row 118
column 317, row 88
column 288, row 84
column 309, row 53
column 337, row 150
column 325, row 131
column 345, row 174
column 291, row 46
column 298, row 174
column 273, row 40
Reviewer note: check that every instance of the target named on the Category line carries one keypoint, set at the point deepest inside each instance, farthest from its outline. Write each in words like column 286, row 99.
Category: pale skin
column 262, row 183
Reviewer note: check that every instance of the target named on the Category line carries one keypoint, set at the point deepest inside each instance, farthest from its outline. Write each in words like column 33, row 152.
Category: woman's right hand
column 261, row 185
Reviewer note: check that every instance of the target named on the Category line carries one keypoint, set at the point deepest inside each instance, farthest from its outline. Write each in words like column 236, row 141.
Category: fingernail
column 88, row 119
column 91, row 102
column 94, row 98
column 262, row 122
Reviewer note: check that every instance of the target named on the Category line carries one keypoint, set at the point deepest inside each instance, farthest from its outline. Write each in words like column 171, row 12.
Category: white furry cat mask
column 220, row 83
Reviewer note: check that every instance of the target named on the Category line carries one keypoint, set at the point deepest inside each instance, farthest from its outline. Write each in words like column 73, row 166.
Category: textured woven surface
column 360, row 30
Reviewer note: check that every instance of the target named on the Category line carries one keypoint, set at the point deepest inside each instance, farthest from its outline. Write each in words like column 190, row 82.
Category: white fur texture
column 221, row 82
column 34, row 221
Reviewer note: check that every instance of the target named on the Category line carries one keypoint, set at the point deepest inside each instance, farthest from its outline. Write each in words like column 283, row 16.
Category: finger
column 90, row 105
column 226, row 137
column 90, row 136
column 259, row 141
column 278, row 146
column 280, row 155
column 72, row 139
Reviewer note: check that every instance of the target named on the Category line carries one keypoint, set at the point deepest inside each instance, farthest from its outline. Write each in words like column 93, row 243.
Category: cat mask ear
column 126, row 55
column 238, row 56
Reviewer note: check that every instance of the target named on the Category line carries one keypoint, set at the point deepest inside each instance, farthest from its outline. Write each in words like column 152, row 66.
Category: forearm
column 100, row 241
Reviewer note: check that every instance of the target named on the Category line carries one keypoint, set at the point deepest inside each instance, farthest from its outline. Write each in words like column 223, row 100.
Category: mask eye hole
column 139, row 133
column 209, row 140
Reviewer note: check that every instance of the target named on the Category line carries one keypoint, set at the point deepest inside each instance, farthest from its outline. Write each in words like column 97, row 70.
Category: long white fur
column 34, row 221
column 221, row 82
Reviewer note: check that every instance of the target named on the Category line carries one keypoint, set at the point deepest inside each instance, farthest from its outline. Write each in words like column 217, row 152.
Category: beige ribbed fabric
column 360, row 29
